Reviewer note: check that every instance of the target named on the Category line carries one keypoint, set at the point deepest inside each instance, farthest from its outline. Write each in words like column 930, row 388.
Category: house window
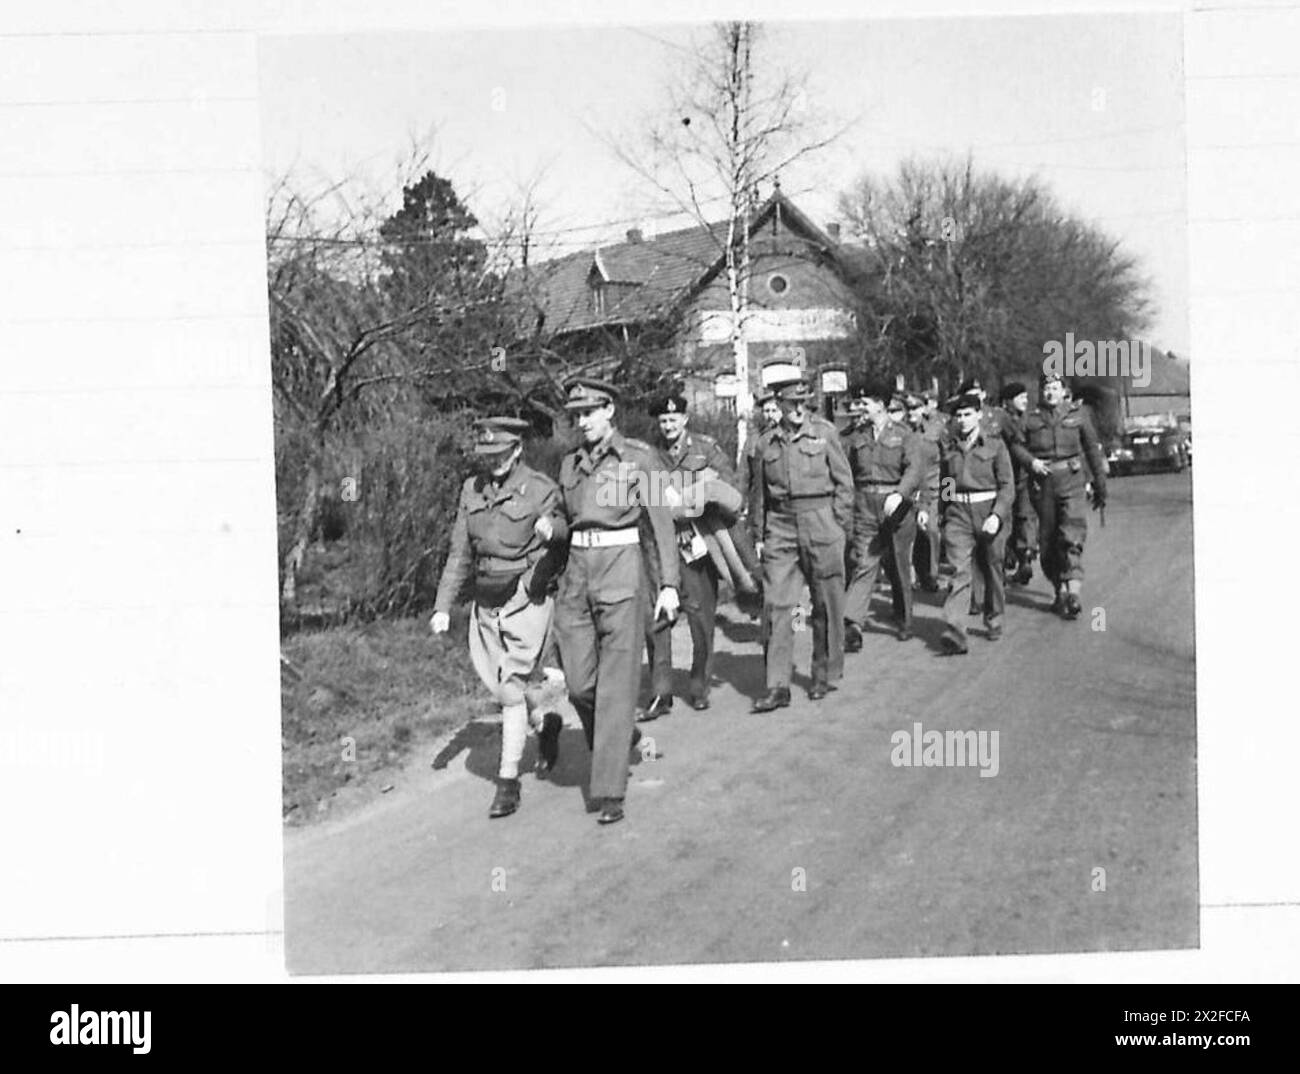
column 598, row 300
column 777, row 284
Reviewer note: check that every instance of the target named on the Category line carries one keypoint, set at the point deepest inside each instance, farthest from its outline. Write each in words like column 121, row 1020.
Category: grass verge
column 358, row 700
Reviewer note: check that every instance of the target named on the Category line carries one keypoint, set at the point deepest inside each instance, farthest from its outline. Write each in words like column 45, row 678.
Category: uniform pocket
column 514, row 523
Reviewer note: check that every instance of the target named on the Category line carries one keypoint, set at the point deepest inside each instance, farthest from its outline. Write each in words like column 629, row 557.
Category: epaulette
column 639, row 445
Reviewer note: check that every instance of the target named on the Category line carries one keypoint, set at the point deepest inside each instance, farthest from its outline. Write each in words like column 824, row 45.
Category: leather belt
column 605, row 538
column 879, row 486
column 974, row 497
column 1060, row 464
column 800, row 503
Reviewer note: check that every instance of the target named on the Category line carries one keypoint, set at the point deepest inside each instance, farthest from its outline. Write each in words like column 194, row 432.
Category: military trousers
column 803, row 547
column 699, row 605
column 599, row 627
column 1023, row 544
column 1061, row 502
column 925, row 548
column 877, row 539
column 974, row 555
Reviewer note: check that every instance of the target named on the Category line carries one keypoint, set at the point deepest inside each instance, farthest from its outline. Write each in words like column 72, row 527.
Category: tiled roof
column 644, row 278
column 653, row 272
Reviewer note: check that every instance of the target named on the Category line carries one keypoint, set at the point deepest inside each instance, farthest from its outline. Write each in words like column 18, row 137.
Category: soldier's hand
column 441, row 622
column 758, row 549
column 543, row 528
column 666, row 605
column 1040, row 468
column 991, row 525
column 1098, row 498
column 892, row 501
column 922, row 517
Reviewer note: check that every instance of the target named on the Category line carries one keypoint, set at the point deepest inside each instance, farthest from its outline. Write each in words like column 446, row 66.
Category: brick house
column 670, row 292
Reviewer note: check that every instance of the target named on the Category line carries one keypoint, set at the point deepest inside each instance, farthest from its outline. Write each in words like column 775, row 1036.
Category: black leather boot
column 778, row 698
column 507, row 799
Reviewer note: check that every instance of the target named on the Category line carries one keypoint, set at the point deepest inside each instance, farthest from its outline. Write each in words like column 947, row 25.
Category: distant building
column 671, row 291
column 1169, row 390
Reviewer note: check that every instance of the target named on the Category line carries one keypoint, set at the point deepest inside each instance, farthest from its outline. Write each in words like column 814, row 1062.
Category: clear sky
column 1091, row 104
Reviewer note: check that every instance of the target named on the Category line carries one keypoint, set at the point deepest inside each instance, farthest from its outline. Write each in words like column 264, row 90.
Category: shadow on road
column 483, row 741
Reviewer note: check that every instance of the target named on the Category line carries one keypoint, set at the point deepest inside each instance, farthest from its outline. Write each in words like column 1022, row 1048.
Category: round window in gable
column 777, row 284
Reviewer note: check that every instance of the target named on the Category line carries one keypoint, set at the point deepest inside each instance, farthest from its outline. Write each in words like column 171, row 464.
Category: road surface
column 793, row 835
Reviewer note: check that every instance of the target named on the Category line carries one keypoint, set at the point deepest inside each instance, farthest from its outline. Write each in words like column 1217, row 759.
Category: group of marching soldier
column 604, row 560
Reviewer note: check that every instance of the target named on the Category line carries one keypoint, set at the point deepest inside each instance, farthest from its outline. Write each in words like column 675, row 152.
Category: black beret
column 668, row 403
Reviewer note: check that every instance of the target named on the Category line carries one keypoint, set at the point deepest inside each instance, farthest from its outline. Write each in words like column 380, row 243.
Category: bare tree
column 376, row 313
column 970, row 273
column 731, row 125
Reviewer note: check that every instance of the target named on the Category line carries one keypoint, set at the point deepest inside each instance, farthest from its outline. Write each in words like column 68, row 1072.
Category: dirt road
column 793, row 836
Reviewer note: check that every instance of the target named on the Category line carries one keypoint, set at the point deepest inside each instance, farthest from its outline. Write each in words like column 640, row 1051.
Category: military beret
column 498, row 434
column 1011, row 389
column 871, row 389
column 968, row 401
column 794, row 391
column 668, row 403
column 586, row 393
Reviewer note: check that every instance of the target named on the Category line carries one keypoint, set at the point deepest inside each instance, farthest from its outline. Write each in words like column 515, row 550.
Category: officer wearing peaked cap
column 507, row 518
column 606, row 491
column 802, row 504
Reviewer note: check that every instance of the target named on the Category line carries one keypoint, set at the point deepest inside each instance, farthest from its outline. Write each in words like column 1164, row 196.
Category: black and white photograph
column 566, row 492
column 733, row 489
column 859, row 346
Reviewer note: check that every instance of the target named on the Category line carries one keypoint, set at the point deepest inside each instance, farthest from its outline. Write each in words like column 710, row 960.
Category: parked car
column 1150, row 447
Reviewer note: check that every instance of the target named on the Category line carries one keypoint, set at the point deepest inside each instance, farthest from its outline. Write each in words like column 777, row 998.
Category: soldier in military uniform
column 978, row 487
column 505, row 523
column 690, row 461
column 802, row 505
column 888, row 466
column 925, row 552
column 1057, row 446
column 1022, row 547
column 606, row 490
column 763, row 420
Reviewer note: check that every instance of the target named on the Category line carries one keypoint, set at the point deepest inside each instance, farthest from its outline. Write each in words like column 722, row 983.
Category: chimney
column 833, row 230
column 634, row 234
